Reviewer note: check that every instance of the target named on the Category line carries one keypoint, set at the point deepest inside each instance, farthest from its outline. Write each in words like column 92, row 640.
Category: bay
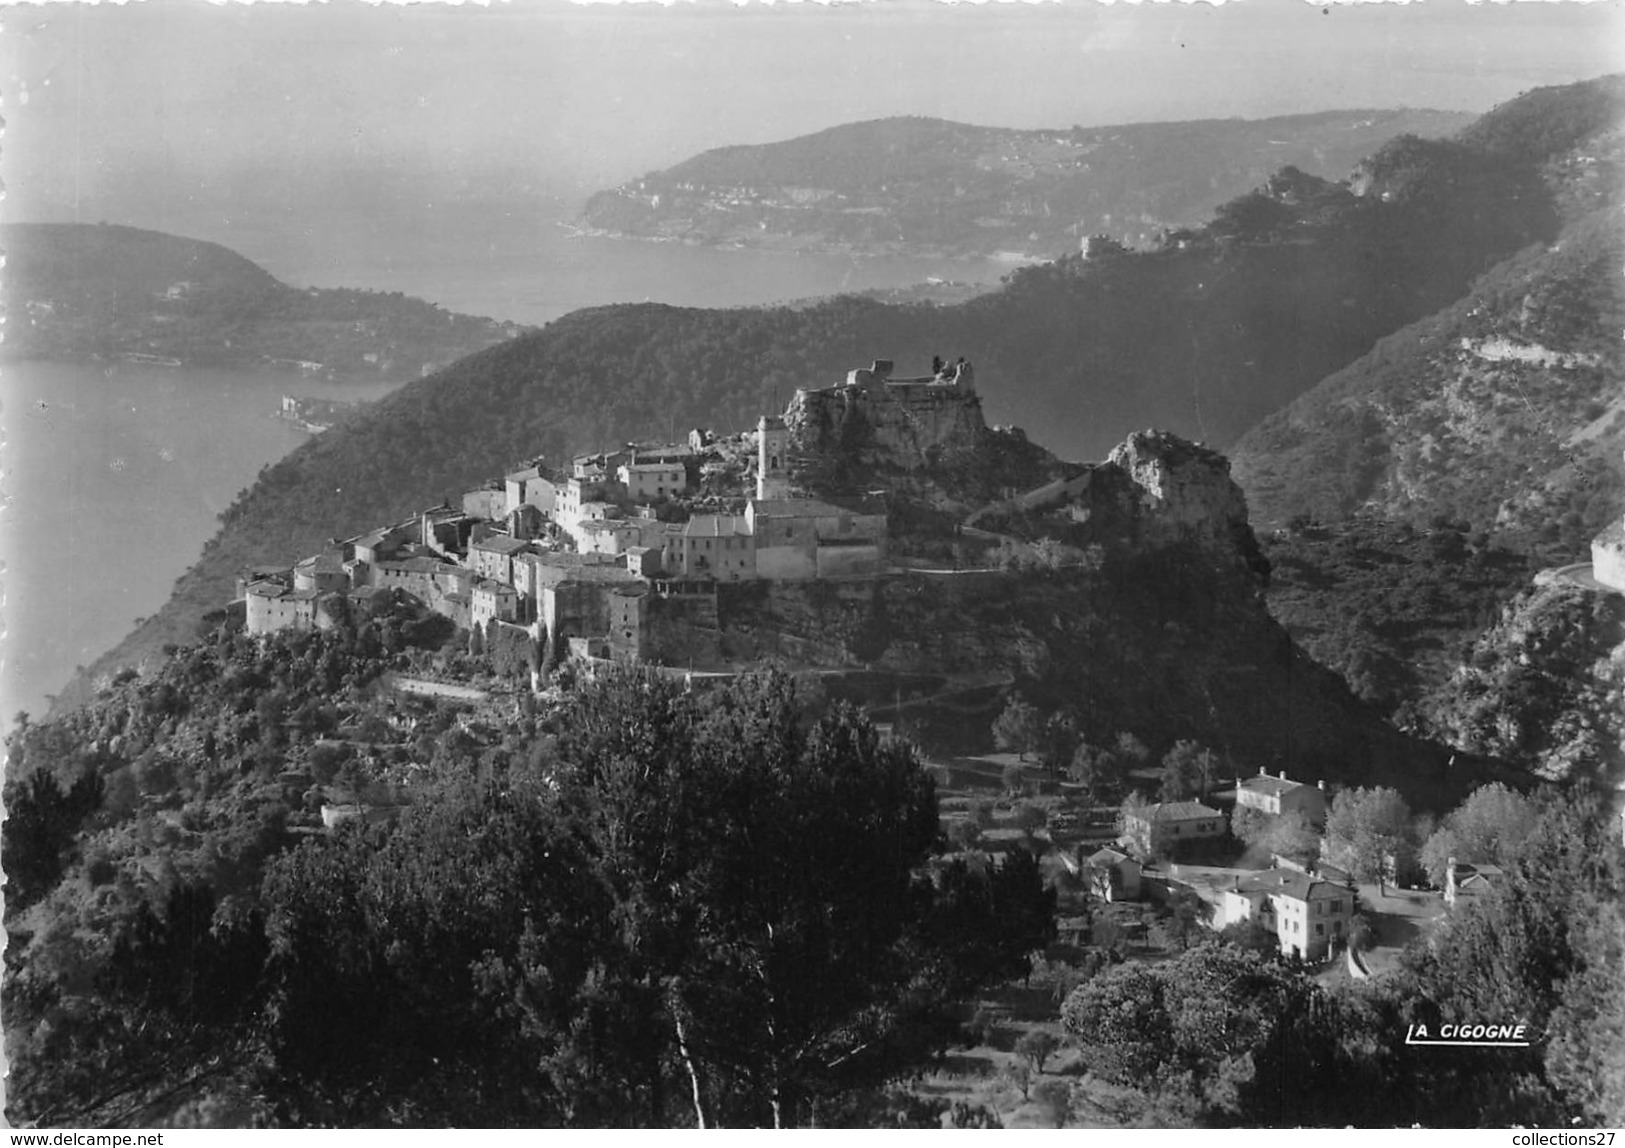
column 114, row 475
column 523, row 261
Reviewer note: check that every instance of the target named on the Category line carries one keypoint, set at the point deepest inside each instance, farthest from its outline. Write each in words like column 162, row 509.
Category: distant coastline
column 775, row 243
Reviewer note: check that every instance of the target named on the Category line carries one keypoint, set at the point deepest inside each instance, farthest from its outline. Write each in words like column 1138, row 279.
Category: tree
column 1366, row 831
column 1134, row 826
column 1132, row 751
column 1488, row 828
column 41, row 820
column 1029, row 817
column 1059, row 741
column 1036, row 1047
column 1186, row 913
column 1018, row 727
column 1544, row 946
column 1188, row 770
column 1286, row 835
column 1222, row 1031
column 705, row 904
column 1099, row 771
column 965, row 834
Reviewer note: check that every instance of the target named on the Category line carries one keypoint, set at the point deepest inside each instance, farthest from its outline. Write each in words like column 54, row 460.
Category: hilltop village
column 620, row 557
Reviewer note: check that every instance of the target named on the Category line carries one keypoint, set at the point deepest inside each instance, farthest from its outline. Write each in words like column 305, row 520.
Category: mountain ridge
column 922, row 185
column 102, row 290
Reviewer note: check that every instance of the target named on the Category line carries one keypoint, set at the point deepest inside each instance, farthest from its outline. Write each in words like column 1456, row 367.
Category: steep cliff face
column 1164, row 644
column 886, row 426
column 1545, row 687
column 1155, row 490
column 1185, row 491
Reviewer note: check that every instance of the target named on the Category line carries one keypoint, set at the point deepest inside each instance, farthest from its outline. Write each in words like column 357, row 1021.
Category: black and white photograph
column 887, row 564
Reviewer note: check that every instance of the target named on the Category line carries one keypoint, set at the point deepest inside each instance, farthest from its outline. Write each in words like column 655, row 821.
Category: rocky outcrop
column 1185, row 490
column 883, row 425
column 1545, row 687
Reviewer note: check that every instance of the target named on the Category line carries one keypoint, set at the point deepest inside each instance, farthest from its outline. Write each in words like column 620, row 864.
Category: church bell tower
column 772, row 475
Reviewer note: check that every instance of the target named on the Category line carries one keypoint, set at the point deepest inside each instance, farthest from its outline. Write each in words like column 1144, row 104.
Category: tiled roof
column 795, row 508
column 1105, row 858
column 567, row 558
column 1274, row 786
column 1472, row 880
column 1179, row 811
column 1292, row 883
column 417, row 566
column 501, row 544
column 715, row 526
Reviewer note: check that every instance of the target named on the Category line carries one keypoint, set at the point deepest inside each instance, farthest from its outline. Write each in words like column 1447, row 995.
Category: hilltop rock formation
column 878, row 422
column 1185, row 488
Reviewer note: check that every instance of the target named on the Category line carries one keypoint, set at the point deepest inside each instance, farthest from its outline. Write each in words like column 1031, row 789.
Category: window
column 1320, row 930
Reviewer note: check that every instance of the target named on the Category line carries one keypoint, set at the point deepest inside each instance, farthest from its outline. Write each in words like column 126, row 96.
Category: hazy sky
column 175, row 97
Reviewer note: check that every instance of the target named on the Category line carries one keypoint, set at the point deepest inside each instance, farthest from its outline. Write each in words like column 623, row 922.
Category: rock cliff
column 884, row 425
column 1184, row 489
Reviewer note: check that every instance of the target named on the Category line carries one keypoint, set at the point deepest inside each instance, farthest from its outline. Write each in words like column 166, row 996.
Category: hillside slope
column 1545, row 687
column 1503, row 410
column 918, row 185
column 1404, row 498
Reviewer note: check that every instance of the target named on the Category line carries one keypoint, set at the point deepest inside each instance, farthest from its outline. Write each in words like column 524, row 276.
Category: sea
column 113, row 475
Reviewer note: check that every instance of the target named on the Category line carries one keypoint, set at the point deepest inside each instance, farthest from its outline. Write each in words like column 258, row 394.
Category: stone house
column 618, row 535
column 668, row 621
column 1306, row 913
column 492, row 557
column 489, row 502
column 384, row 543
column 1464, row 884
column 809, row 538
column 711, row 545
column 271, row 607
column 447, row 530
column 652, row 480
column 493, row 601
column 1112, row 875
column 323, row 573
column 1280, row 796
column 248, row 575
column 1157, row 829
column 528, row 487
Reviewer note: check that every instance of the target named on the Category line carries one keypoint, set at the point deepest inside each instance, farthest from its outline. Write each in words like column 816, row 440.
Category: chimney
column 1283, row 775
column 1262, row 772
column 1321, row 785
